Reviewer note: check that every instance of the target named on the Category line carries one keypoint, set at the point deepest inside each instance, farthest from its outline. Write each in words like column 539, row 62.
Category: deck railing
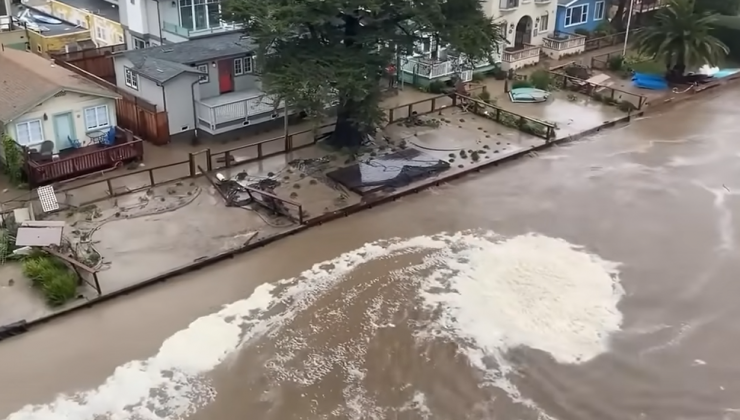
column 528, row 51
column 238, row 109
column 563, row 41
column 98, row 157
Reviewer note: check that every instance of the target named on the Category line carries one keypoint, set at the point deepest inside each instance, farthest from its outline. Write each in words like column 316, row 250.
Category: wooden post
column 259, row 150
column 191, row 159
column 434, row 102
column 227, row 159
column 390, row 115
column 209, row 161
column 110, row 187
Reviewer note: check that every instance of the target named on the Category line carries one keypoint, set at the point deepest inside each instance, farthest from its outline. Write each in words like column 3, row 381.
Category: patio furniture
column 75, row 143
column 109, row 139
column 96, row 136
column 46, row 152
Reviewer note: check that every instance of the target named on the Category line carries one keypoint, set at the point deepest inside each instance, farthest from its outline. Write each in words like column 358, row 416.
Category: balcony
column 562, row 44
column 518, row 57
column 508, row 5
column 431, row 69
column 234, row 110
column 184, row 32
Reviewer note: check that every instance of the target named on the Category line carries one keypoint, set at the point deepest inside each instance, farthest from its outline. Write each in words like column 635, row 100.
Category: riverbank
column 469, row 132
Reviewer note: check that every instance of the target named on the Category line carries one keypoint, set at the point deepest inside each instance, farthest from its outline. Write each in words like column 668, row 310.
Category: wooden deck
column 84, row 160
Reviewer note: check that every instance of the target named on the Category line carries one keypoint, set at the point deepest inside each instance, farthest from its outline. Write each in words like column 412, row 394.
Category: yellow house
column 49, row 109
column 103, row 31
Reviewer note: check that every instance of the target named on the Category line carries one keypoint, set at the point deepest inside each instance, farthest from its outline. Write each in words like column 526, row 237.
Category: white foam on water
column 491, row 295
column 529, row 291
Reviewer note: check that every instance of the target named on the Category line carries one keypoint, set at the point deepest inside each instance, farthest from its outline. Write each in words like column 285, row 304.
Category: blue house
column 586, row 15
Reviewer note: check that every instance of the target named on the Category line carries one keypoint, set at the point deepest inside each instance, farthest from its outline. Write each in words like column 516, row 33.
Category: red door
column 225, row 76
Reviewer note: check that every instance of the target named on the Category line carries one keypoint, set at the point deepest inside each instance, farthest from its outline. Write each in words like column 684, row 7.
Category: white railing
column 508, row 4
column 239, row 109
column 523, row 54
column 429, row 70
column 572, row 41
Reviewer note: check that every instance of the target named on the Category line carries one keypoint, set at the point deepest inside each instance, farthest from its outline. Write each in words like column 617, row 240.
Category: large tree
column 681, row 38
column 314, row 52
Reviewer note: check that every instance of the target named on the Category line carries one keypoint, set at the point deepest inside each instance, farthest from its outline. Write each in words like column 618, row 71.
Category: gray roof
column 165, row 62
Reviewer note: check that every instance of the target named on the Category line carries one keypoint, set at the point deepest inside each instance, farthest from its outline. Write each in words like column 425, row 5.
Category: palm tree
column 681, row 38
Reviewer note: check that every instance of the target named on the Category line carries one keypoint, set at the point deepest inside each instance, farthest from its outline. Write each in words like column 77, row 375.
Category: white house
column 50, row 109
column 207, row 86
column 153, row 22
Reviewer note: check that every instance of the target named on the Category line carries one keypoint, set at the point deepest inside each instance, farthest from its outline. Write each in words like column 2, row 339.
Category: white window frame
column 97, row 124
column 30, row 141
column 569, row 15
column 139, row 43
column 248, row 65
column 596, row 10
column 546, row 20
column 130, row 78
column 238, row 66
column 101, row 34
column 203, row 77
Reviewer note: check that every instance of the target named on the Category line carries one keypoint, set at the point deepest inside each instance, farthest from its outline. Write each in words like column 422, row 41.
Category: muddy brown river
column 598, row 280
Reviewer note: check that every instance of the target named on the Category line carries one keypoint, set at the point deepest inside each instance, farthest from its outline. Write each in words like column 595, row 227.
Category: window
column 238, row 66
column 130, row 78
column 101, row 33
column 576, row 15
column 197, row 15
column 599, row 10
column 139, row 43
column 29, row 132
column 203, row 78
column 96, row 117
column 248, row 64
column 544, row 23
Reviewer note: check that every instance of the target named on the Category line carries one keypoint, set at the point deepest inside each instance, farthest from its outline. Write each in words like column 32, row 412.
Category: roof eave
column 45, row 98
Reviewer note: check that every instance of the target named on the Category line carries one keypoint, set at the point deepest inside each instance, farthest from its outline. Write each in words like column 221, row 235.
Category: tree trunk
column 618, row 21
column 346, row 132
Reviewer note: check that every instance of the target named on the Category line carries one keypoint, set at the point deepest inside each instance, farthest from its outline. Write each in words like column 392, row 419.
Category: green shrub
column 581, row 31
column 485, row 96
column 541, row 79
column 648, row 67
column 603, row 29
column 615, row 63
column 49, row 274
column 521, row 84
column 437, row 87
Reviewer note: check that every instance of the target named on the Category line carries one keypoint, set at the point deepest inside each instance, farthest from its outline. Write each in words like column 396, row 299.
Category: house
column 48, row 34
column 98, row 16
column 154, row 22
column 41, row 102
column 207, row 85
column 581, row 15
column 528, row 23
column 12, row 35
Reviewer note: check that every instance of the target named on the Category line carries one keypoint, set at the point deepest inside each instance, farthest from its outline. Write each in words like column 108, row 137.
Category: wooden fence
column 132, row 112
column 606, row 94
column 97, row 61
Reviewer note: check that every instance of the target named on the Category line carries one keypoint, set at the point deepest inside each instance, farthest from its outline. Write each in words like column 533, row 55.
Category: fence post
column 259, row 150
column 289, row 143
column 209, row 162
column 110, row 187
column 498, row 115
column 411, row 109
column 390, row 115
column 151, row 177
column 191, row 159
column 227, row 158
column 434, row 102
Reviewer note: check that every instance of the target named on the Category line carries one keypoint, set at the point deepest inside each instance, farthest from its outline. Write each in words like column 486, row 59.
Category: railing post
column 259, row 150
column 191, row 159
column 390, row 115
column 209, row 163
column 498, row 115
column 434, row 102
column 227, row 158
column 410, row 110
column 151, row 177
column 110, row 187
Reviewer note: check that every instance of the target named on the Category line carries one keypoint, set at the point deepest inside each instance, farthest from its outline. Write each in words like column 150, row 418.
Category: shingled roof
column 26, row 80
column 165, row 62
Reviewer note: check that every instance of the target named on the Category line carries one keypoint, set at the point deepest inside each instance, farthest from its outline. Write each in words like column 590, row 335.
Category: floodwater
column 638, row 323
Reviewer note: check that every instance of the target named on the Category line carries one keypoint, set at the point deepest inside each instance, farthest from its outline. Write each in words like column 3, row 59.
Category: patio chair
column 75, row 143
column 46, row 152
column 109, row 139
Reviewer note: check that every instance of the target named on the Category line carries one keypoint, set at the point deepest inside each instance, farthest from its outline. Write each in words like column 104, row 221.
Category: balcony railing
column 431, row 69
column 236, row 110
column 508, row 4
column 191, row 33
column 562, row 41
column 528, row 51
